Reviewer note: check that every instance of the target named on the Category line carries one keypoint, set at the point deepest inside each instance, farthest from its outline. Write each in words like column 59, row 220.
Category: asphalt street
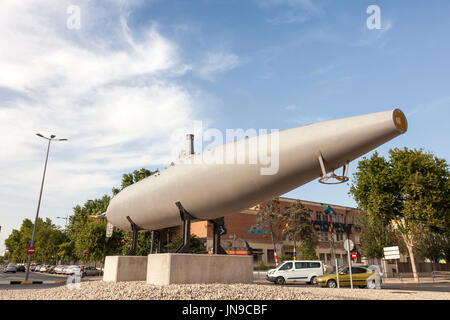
column 34, row 276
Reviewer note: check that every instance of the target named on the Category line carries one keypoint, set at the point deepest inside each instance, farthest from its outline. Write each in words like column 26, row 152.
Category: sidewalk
column 411, row 280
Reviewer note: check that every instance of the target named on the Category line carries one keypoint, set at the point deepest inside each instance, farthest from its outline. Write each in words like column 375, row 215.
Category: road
column 34, row 276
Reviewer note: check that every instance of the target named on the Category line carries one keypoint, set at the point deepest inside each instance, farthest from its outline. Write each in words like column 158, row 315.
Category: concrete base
column 125, row 268
column 179, row 268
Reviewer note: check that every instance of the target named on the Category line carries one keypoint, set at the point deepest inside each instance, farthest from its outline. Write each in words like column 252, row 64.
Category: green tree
column 130, row 178
column 298, row 228
column 306, row 250
column 196, row 245
column 47, row 240
column 268, row 219
column 65, row 251
column 433, row 245
column 89, row 234
column 375, row 235
column 144, row 238
column 410, row 190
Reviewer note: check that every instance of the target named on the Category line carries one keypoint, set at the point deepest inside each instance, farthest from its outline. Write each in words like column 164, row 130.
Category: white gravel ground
column 140, row 290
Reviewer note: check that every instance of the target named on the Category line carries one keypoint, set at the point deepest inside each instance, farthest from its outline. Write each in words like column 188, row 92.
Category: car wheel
column 371, row 284
column 280, row 281
column 313, row 280
column 331, row 284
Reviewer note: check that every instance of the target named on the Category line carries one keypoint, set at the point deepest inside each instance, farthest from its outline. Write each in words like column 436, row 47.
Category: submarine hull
column 213, row 190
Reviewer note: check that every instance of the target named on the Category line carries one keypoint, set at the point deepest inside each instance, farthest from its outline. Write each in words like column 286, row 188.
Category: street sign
column 278, row 247
column 348, row 245
column 354, row 255
column 391, row 253
column 31, row 250
column 109, row 230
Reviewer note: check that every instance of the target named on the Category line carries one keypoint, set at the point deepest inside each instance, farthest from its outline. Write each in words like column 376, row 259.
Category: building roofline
column 317, row 203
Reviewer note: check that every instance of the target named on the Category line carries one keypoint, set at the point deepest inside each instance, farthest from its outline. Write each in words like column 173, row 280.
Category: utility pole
column 64, row 218
column 52, row 137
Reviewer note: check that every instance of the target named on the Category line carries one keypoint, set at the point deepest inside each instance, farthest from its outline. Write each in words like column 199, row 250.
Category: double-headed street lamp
column 52, row 138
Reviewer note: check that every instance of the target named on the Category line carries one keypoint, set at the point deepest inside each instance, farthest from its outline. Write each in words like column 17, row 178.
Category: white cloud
column 112, row 93
column 218, row 62
column 290, row 11
column 291, row 107
column 303, row 4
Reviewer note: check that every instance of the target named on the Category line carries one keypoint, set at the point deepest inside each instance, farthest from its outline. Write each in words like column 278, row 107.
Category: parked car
column 64, row 269
column 362, row 277
column 51, row 269
column 58, row 269
column 375, row 268
column 21, row 268
column 32, row 267
column 38, row 267
column 296, row 271
column 43, row 268
column 11, row 268
column 74, row 269
column 91, row 271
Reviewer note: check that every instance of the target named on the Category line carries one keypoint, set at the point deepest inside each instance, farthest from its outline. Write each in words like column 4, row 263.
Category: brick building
column 239, row 237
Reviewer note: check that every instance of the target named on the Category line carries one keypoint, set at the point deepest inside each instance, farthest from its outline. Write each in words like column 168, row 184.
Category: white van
column 296, row 271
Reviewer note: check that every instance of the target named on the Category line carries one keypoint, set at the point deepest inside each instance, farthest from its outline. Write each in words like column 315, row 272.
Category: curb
column 32, row 282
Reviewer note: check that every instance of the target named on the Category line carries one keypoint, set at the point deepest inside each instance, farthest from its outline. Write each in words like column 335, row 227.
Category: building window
column 270, row 256
column 323, row 236
column 320, row 216
column 322, row 256
column 287, row 266
column 257, row 255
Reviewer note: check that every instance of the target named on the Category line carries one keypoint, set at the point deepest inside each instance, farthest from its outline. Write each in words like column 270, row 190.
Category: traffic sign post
column 348, row 245
column 354, row 255
column 31, row 250
column 335, row 262
column 392, row 253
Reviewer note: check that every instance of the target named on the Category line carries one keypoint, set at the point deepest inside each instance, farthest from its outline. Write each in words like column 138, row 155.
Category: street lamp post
column 66, row 218
column 52, row 137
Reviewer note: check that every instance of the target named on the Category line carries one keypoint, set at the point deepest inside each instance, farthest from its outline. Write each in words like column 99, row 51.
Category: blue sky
column 137, row 71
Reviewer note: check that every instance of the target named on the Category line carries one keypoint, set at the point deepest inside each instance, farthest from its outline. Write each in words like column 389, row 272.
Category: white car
column 59, row 269
column 296, row 271
column 74, row 269
column 43, row 268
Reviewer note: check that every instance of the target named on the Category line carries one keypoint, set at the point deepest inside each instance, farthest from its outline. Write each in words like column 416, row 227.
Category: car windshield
column 340, row 269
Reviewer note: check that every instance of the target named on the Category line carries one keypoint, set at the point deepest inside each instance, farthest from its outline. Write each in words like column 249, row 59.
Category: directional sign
column 109, row 230
column 31, row 250
column 391, row 253
column 348, row 245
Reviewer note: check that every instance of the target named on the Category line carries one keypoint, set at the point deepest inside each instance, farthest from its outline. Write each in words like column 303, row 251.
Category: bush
column 284, row 257
column 261, row 267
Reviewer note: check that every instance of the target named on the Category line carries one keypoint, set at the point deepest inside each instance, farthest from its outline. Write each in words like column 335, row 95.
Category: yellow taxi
column 363, row 277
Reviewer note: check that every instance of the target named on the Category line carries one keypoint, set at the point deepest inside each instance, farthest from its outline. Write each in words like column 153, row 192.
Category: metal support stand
column 135, row 228
column 217, row 248
column 186, row 217
column 160, row 241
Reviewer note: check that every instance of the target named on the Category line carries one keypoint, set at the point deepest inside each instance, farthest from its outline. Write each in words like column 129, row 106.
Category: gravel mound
column 140, row 290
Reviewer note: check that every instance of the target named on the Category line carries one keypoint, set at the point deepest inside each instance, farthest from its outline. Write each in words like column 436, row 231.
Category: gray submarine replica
column 227, row 179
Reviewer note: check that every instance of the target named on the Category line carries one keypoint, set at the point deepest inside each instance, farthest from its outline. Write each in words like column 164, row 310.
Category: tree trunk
column 413, row 263
column 409, row 246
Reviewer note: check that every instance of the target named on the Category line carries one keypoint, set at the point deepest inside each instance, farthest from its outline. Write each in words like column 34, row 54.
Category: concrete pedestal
column 180, row 268
column 125, row 268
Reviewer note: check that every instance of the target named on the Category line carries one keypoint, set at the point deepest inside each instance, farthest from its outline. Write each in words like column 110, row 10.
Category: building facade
column 332, row 224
